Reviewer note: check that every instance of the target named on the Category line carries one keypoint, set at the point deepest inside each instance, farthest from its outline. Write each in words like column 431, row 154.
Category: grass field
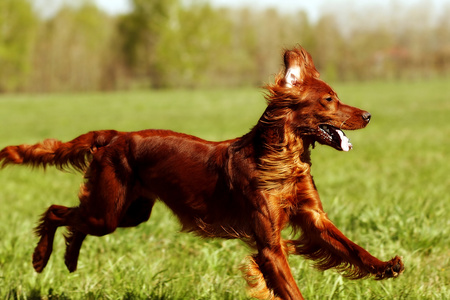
column 390, row 194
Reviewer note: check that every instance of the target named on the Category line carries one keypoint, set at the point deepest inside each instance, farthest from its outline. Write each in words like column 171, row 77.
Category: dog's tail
column 75, row 154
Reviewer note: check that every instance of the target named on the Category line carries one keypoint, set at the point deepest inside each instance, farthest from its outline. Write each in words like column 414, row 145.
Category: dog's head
column 309, row 106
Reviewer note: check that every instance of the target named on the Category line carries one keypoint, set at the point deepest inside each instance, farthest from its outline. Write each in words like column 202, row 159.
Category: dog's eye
column 329, row 99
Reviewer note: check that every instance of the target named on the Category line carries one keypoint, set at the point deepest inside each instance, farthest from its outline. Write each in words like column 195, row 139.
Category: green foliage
column 141, row 33
column 73, row 51
column 175, row 45
column 192, row 44
column 389, row 194
column 194, row 48
column 17, row 34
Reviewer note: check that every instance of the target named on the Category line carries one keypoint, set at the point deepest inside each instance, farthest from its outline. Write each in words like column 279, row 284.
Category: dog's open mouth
column 334, row 137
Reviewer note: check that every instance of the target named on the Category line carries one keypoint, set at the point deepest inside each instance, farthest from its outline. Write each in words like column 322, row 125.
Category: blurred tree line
column 172, row 44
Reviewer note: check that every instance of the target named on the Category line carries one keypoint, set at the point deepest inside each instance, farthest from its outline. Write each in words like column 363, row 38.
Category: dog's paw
column 39, row 261
column 71, row 263
column 393, row 269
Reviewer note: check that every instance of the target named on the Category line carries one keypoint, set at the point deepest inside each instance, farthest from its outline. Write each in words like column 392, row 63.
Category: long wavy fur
column 75, row 154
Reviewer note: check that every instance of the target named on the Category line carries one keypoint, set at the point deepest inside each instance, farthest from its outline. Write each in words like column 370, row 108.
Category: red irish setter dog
column 249, row 188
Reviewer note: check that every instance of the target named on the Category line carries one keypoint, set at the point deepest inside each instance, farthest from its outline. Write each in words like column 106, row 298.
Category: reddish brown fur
column 248, row 188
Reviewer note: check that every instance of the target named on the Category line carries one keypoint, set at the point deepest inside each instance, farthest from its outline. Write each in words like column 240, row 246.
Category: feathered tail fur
column 50, row 152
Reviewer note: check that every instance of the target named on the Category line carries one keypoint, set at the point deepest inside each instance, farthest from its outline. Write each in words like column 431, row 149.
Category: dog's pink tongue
column 345, row 142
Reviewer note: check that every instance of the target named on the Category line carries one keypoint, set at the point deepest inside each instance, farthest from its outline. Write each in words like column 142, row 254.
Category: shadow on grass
column 131, row 295
column 36, row 294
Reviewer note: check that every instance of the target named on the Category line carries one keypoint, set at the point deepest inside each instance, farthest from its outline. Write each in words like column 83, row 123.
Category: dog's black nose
column 366, row 116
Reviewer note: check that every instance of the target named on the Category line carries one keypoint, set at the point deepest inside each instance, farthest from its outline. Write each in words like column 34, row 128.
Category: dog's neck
column 272, row 135
column 283, row 156
column 308, row 144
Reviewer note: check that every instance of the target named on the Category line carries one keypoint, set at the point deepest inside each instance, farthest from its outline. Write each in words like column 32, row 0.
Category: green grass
column 390, row 194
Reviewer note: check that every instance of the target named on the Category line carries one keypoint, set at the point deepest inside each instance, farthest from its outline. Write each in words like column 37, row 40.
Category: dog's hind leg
column 74, row 240
column 102, row 201
column 54, row 217
column 138, row 212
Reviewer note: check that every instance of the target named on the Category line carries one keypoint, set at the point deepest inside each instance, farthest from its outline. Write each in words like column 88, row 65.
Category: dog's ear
column 298, row 65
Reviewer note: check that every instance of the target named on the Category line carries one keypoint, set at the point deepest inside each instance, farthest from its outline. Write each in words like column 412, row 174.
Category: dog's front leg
column 268, row 272
column 276, row 271
column 323, row 242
